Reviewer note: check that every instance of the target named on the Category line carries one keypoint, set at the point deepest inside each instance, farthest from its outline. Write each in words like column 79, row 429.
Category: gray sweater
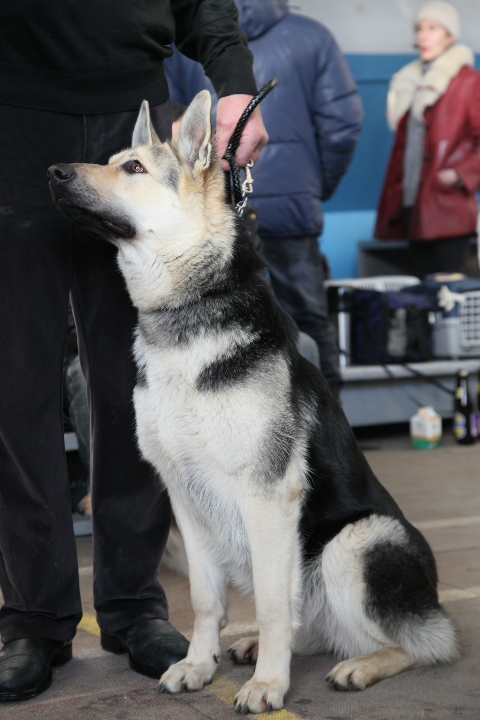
column 413, row 154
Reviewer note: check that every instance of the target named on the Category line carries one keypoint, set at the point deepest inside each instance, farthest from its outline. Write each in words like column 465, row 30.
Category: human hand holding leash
column 254, row 136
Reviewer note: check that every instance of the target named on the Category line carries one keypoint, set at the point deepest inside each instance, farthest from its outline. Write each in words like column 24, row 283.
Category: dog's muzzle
column 61, row 173
column 75, row 203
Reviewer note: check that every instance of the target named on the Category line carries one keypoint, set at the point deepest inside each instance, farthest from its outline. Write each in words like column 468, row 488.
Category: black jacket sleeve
column 208, row 31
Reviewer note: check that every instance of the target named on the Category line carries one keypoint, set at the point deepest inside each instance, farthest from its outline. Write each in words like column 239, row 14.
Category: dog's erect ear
column 144, row 132
column 194, row 138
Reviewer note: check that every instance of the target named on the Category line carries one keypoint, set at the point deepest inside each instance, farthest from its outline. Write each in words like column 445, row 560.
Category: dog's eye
column 136, row 167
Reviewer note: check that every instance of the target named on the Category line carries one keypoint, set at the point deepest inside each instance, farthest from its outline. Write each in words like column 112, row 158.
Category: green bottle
column 464, row 417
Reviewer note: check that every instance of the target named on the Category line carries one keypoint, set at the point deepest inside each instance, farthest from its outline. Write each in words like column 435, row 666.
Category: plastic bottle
column 426, row 429
column 464, row 417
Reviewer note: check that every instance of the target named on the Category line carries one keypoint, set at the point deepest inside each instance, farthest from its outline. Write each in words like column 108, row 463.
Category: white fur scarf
column 410, row 88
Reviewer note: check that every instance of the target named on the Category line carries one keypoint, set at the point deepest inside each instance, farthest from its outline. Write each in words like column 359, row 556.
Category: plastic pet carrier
column 390, row 327
column 341, row 295
column 457, row 308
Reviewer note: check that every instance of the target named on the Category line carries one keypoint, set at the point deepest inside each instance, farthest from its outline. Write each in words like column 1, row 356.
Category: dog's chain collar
column 238, row 191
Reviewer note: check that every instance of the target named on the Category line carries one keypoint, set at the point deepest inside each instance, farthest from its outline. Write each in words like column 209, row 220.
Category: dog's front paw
column 187, row 676
column 257, row 697
column 245, row 651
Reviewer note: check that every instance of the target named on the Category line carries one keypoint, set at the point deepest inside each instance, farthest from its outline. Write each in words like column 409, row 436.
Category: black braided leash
column 235, row 190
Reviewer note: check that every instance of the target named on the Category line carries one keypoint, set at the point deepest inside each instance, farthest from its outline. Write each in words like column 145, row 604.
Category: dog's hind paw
column 360, row 672
column 187, row 676
column 244, row 652
column 353, row 674
column 258, row 697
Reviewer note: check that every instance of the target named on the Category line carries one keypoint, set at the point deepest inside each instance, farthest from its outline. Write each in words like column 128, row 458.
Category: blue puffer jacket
column 313, row 116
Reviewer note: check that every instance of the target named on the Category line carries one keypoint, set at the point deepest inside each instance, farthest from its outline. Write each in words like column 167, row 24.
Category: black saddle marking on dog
column 342, row 488
column 401, row 582
column 235, row 367
column 398, row 581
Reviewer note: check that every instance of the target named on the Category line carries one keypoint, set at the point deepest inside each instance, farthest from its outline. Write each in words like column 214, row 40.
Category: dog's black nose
column 61, row 173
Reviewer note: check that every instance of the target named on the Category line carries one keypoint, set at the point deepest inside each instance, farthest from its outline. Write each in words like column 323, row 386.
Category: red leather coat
column 452, row 140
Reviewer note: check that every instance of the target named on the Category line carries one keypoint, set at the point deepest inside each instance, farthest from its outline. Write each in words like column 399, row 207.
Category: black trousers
column 444, row 255
column 297, row 275
column 431, row 256
column 42, row 259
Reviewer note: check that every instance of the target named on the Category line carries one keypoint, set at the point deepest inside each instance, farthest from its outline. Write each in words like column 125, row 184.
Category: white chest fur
column 208, row 445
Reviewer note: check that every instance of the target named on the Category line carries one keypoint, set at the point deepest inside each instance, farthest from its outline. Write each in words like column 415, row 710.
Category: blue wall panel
column 341, row 233
column 360, row 188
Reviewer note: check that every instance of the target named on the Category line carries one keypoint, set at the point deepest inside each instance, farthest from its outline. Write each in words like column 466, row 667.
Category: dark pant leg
column 38, row 567
column 444, row 255
column 296, row 271
column 451, row 254
column 131, row 516
column 423, row 258
column 38, row 562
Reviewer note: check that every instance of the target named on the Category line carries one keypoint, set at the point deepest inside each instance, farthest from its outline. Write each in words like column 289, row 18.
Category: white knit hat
column 443, row 13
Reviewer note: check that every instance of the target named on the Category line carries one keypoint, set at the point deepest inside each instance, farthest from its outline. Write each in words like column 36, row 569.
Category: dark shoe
column 26, row 666
column 152, row 645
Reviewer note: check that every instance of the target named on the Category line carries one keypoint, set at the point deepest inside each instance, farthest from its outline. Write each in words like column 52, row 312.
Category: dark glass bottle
column 478, row 407
column 464, row 419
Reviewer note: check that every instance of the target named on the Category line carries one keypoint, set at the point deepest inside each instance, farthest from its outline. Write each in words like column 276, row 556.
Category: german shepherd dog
column 267, row 482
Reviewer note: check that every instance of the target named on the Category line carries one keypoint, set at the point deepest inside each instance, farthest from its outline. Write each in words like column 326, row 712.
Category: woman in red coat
column 434, row 170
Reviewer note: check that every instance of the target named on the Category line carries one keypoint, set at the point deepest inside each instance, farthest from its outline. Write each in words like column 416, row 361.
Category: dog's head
column 161, row 204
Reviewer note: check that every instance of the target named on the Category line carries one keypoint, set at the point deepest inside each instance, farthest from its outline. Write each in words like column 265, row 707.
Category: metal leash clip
column 247, row 189
column 247, row 185
column 240, row 206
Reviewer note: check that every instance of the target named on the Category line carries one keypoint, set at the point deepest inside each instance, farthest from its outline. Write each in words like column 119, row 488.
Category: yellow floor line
column 225, row 689
column 222, row 687
column 89, row 623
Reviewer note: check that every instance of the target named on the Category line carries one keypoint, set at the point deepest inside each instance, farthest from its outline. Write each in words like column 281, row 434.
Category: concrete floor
column 439, row 492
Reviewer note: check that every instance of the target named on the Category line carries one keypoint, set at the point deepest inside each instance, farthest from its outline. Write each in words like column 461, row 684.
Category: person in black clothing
column 72, row 78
